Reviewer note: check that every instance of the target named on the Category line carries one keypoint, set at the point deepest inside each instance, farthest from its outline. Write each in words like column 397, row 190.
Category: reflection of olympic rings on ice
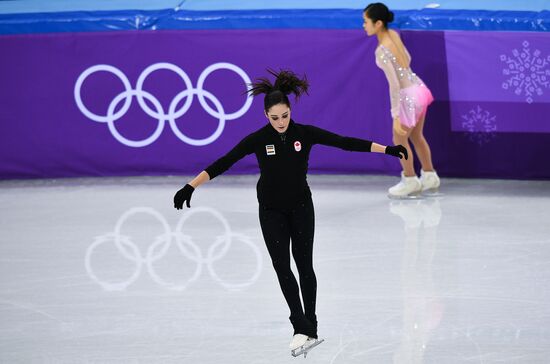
column 158, row 112
column 162, row 243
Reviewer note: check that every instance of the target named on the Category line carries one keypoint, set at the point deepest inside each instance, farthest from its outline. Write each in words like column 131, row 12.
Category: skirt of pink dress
column 414, row 101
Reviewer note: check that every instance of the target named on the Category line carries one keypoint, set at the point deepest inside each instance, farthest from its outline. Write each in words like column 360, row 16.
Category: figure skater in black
column 286, row 211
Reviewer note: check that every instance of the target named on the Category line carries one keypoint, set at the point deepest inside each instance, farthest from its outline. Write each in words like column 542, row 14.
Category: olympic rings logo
column 158, row 112
column 160, row 246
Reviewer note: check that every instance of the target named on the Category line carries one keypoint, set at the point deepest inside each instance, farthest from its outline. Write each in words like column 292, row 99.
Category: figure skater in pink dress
column 409, row 101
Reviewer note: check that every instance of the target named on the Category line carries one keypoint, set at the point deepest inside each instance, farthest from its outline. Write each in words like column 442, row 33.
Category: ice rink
column 107, row 271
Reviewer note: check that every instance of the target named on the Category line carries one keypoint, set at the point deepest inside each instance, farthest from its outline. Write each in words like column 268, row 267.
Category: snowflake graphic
column 480, row 125
column 528, row 73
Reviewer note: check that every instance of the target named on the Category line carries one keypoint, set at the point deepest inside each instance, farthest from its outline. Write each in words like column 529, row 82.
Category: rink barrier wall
column 181, row 19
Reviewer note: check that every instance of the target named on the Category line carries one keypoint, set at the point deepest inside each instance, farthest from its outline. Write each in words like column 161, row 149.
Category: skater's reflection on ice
column 422, row 309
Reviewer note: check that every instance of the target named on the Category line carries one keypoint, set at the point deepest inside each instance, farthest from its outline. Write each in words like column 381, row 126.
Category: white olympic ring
column 158, row 112
column 162, row 243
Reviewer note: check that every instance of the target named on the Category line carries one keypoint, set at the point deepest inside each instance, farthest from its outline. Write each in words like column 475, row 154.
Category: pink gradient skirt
column 414, row 101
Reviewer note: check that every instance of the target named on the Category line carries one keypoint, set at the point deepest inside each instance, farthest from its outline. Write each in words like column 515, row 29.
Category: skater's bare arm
column 200, row 179
column 377, row 148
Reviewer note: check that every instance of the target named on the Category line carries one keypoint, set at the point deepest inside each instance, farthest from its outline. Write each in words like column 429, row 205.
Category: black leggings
column 278, row 228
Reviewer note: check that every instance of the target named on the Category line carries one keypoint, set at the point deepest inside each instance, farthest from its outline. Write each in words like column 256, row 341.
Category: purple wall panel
column 499, row 83
column 476, row 149
column 44, row 132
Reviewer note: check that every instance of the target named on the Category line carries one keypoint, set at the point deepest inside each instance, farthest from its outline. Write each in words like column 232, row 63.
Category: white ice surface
column 107, row 271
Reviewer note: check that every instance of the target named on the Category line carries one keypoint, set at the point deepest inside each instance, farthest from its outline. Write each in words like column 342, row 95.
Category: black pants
column 279, row 227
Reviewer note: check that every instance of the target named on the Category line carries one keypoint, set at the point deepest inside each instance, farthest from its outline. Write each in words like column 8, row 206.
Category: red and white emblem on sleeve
column 297, row 146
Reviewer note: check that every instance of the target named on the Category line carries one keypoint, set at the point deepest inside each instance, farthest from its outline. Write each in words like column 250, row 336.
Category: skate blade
column 416, row 196
column 434, row 192
column 305, row 349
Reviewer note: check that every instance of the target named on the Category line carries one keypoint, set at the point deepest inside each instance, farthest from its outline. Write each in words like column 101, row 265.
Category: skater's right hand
column 182, row 196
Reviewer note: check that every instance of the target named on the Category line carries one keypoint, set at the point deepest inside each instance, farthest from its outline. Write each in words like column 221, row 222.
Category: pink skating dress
column 408, row 94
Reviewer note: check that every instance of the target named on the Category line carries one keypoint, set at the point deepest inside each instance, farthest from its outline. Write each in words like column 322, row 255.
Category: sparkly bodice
column 398, row 77
column 405, row 75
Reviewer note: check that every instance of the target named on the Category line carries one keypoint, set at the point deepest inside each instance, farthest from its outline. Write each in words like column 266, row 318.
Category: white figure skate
column 408, row 188
column 430, row 183
column 302, row 344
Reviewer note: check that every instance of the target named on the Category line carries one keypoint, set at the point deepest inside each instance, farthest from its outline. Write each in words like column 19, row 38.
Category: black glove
column 183, row 195
column 397, row 150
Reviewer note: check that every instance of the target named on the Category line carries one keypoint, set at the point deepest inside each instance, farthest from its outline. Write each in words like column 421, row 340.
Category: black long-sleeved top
column 283, row 160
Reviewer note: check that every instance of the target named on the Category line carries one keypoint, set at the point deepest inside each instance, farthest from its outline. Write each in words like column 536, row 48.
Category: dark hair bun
column 286, row 82
column 390, row 16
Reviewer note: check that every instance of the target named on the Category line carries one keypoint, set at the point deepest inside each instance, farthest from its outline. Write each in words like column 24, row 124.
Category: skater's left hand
column 398, row 151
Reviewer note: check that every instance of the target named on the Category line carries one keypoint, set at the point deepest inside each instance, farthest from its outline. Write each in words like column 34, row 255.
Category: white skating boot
column 430, row 181
column 302, row 344
column 297, row 341
column 408, row 187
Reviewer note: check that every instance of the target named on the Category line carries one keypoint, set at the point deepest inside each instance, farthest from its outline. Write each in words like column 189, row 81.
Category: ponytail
column 286, row 83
